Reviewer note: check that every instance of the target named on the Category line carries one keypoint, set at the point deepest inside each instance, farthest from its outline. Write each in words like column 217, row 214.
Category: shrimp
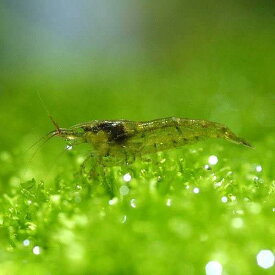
column 119, row 142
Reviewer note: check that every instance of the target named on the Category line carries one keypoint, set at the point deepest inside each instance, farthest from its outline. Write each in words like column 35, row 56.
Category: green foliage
column 175, row 214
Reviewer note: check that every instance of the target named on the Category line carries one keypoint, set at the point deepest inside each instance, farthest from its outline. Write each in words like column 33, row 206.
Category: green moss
column 176, row 215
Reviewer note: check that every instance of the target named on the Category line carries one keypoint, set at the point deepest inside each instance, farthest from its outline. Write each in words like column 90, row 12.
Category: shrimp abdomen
column 162, row 134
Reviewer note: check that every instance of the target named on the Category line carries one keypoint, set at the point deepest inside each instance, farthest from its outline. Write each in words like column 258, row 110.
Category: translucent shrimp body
column 121, row 141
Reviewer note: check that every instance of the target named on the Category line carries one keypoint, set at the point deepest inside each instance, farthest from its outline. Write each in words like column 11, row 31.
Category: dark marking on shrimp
column 115, row 131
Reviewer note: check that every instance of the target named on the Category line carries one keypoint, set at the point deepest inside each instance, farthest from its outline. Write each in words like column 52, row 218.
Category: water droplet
column 113, row 201
column 265, row 259
column 196, row 190
column 124, row 190
column 213, row 160
column 36, row 250
column 213, row 268
column 127, row 177
column 124, row 219
column 133, row 203
column 224, row 199
column 207, row 167
column 26, row 242
column 69, row 147
column 169, row 202
column 259, row 168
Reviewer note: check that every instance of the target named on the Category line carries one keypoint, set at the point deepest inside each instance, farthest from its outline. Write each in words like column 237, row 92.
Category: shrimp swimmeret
column 118, row 142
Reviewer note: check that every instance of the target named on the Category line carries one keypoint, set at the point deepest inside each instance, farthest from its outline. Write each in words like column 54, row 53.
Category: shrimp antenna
column 43, row 140
column 55, row 124
column 49, row 115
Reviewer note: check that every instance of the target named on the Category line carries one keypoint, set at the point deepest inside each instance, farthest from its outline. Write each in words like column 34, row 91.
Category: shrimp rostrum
column 118, row 142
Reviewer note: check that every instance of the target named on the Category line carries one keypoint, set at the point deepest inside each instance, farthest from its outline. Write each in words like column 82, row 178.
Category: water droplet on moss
column 196, row 190
column 224, row 199
column 133, row 203
column 213, row 160
column 36, row 250
column 69, row 147
column 169, row 202
column 213, row 268
column 124, row 219
column 113, row 201
column 265, row 259
column 26, row 242
column 127, row 177
column 259, row 168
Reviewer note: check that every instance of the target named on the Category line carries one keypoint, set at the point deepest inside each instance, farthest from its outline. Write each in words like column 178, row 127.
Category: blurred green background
column 137, row 60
